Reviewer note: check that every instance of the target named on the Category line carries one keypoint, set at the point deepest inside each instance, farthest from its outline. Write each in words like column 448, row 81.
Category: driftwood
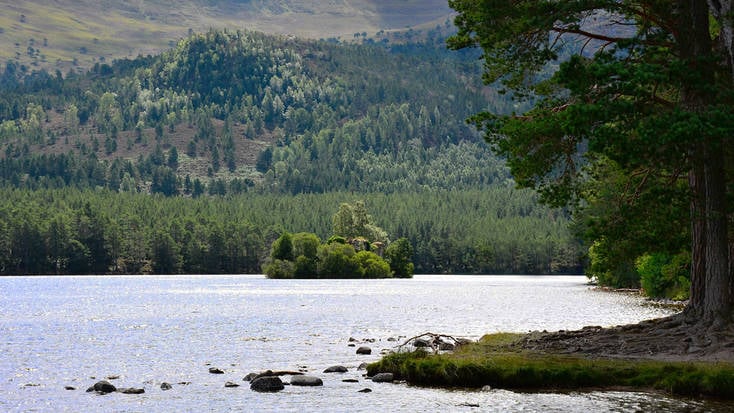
column 435, row 342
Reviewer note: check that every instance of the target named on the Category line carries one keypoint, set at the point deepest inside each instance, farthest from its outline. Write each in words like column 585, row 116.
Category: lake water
column 71, row 331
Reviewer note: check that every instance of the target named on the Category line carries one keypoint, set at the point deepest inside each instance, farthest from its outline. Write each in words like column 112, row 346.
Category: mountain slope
column 283, row 114
column 74, row 34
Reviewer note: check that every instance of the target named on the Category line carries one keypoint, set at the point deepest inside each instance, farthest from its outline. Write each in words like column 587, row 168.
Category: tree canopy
column 645, row 86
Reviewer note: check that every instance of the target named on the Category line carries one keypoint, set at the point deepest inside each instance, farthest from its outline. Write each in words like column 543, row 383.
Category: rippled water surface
column 71, row 331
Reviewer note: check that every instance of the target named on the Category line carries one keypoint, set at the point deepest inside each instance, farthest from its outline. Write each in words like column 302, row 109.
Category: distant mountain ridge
column 75, row 34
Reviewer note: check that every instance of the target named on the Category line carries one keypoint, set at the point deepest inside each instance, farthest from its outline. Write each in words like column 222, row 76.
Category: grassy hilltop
column 75, row 34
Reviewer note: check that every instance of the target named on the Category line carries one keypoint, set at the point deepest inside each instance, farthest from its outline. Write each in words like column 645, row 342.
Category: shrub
column 664, row 276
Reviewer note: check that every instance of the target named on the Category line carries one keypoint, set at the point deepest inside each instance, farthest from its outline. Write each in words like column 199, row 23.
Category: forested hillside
column 252, row 117
column 290, row 115
column 70, row 231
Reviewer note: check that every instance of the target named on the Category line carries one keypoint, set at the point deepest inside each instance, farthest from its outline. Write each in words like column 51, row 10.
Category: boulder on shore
column 306, row 381
column 383, row 378
column 364, row 350
column 267, row 384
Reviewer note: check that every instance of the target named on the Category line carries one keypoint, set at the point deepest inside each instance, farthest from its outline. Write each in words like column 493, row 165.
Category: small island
column 358, row 249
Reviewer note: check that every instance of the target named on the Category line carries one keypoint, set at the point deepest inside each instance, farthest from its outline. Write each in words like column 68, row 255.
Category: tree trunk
column 711, row 281
column 698, row 230
column 718, row 295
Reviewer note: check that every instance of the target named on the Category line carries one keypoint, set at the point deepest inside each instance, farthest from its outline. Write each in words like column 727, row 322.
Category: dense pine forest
column 196, row 160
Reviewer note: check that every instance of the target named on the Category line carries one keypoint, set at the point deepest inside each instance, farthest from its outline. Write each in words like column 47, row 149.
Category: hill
column 73, row 35
column 278, row 113
column 240, row 136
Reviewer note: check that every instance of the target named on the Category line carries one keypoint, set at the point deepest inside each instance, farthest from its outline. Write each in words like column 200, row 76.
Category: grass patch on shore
column 496, row 361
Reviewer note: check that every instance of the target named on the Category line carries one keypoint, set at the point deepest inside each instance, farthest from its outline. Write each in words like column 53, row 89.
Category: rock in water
column 336, row 369
column 364, row 350
column 132, row 390
column 166, row 386
column 267, row 384
column 367, row 390
column 306, row 381
column 383, row 378
column 231, row 384
column 214, row 370
column 103, row 387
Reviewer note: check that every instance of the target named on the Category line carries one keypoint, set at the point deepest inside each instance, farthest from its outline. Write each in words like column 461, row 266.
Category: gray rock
column 336, row 369
column 306, row 381
column 166, row 386
column 367, row 390
column 251, row 376
column 103, row 387
column 383, row 378
column 214, row 370
column 231, row 384
column 350, row 381
column 267, row 384
column 131, row 390
column 419, row 342
column 364, row 350
column 69, row 388
column 443, row 346
column 362, row 366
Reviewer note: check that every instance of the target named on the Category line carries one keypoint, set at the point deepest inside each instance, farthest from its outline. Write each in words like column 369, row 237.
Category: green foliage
column 352, row 221
column 374, row 266
column 307, row 116
column 283, row 248
column 336, row 260
column 497, row 231
column 663, row 275
column 627, row 125
column 400, row 256
column 279, row 269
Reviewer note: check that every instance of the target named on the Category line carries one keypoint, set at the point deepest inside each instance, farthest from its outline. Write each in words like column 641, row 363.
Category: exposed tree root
column 678, row 337
column 434, row 342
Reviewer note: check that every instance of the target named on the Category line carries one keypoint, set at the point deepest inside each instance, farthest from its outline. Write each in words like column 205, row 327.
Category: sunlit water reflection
column 70, row 331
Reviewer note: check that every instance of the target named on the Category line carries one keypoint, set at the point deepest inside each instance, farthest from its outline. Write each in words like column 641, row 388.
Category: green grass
column 494, row 361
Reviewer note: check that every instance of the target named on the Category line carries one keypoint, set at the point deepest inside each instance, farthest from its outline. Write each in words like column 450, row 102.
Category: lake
column 72, row 331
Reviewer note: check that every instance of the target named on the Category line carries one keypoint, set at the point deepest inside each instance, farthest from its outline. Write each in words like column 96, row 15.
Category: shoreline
column 535, row 362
